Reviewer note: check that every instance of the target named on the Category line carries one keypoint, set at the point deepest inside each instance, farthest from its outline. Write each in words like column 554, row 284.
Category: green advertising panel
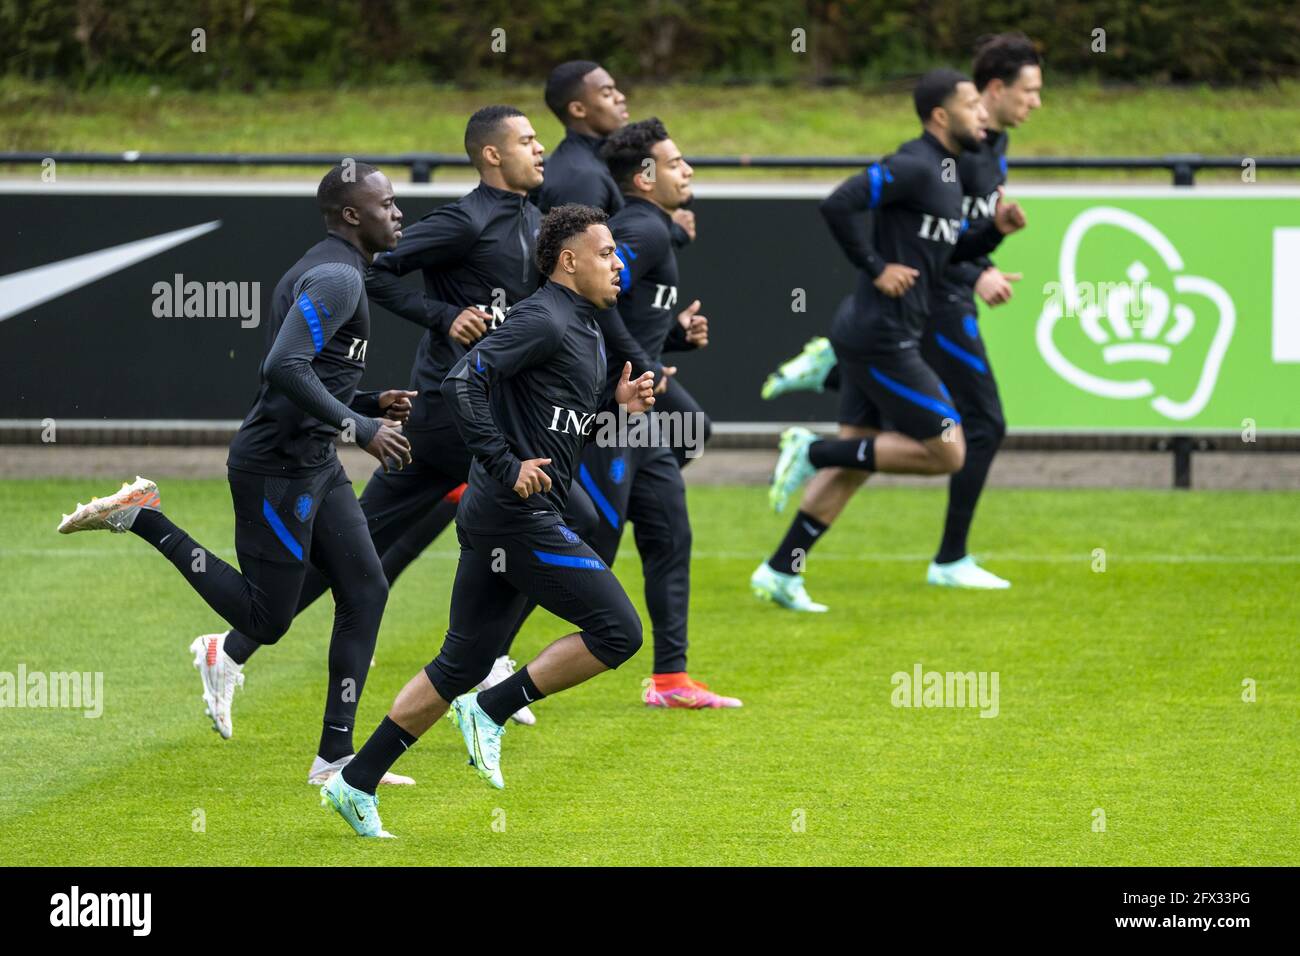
column 1145, row 309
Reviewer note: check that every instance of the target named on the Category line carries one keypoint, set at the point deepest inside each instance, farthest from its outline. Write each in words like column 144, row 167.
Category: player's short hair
column 337, row 187
column 627, row 149
column 560, row 225
column 564, row 85
column 1002, row 56
column 484, row 129
column 934, row 89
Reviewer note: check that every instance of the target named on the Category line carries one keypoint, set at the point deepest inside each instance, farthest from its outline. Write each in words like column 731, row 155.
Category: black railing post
column 1182, row 462
column 1184, row 173
column 421, row 171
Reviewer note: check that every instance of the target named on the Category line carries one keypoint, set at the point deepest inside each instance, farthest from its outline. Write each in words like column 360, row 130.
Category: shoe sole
column 100, row 508
column 968, row 587
column 772, row 599
column 387, row 780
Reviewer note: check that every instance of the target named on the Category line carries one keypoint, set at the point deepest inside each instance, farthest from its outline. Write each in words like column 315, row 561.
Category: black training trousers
column 499, row 574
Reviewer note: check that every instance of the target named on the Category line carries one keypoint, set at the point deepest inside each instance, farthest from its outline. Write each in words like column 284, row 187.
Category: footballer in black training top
column 526, row 400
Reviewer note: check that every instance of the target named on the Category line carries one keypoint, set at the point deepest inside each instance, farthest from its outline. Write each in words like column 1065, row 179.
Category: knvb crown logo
column 1126, row 323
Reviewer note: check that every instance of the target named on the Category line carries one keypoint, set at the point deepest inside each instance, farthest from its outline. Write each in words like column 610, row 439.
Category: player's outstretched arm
column 437, row 241
column 879, row 185
column 529, row 338
column 327, row 296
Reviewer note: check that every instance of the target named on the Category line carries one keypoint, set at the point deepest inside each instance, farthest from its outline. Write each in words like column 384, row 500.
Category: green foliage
column 322, row 42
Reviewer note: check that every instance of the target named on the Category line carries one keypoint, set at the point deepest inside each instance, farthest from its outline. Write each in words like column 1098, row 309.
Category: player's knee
column 683, row 537
column 368, row 595
column 985, row 430
column 270, row 626
column 453, row 675
column 998, row 424
column 619, row 637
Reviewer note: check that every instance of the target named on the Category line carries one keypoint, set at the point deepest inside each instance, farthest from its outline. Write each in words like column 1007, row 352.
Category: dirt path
column 1011, row 469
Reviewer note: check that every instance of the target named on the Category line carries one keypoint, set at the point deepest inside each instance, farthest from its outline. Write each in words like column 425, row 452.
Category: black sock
column 952, row 547
column 964, row 489
column 857, row 453
column 380, row 752
column 335, row 740
column 156, row 528
column 516, row 691
column 239, row 647
column 804, row 532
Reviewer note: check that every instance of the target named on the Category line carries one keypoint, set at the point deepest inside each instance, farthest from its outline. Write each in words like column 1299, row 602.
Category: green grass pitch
column 1120, row 691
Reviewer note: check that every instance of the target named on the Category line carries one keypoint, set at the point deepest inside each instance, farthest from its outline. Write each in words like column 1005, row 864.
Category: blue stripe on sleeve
column 313, row 321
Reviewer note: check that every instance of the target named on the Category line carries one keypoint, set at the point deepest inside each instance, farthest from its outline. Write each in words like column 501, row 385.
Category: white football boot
column 322, row 771
column 965, row 573
column 502, row 668
column 220, row 676
column 115, row 512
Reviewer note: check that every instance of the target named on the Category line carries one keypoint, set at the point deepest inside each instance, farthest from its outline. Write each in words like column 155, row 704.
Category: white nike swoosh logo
column 862, row 451
column 810, row 529
column 526, row 697
column 20, row 291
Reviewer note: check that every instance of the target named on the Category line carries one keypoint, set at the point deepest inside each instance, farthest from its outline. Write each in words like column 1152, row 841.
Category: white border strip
column 812, row 190
column 719, row 428
column 209, row 187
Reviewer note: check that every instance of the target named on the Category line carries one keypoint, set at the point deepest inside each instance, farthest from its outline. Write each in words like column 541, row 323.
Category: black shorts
column 274, row 516
column 499, row 573
column 893, row 390
column 953, row 347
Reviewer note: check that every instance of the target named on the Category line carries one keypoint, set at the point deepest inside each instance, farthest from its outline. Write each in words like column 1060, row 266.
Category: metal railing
column 423, row 166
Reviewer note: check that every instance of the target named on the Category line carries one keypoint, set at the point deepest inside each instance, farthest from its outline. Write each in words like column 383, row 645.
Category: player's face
column 605, row 106
column 967, row 117
column 596, row 266
column 521, row 154
column 673, row 174
column 1021, row 98
column 380, row 221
